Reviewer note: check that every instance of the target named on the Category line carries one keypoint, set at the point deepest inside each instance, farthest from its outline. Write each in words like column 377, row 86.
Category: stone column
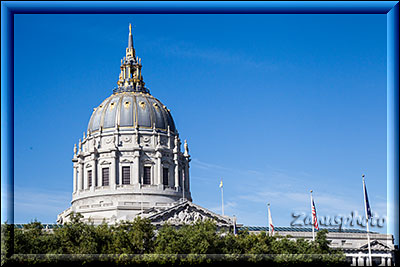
column 113, row 171
column 80, row 176
column 99, row 175
column 136, row 167
column 84, row 177
column 132, row 173
column 81, row 169
column 360, row 261
column 158, row 173
column 94, row 173
column 353, row 261
column 186, row 176
column 75, row 178
column 176, row 171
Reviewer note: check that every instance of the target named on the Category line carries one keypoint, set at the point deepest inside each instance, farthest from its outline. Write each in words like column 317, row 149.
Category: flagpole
column 269, row 223
column 366, row 217
column 312, row 218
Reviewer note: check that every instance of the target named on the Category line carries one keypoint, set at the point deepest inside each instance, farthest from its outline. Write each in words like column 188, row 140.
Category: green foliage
column 104, row 238
column 322, row 242
column 168, row 241
column 7, row 231
column 75, row 237
column 138, row 242
column 133, row 237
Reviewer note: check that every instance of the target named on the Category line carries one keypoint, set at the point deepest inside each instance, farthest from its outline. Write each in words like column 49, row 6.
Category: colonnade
column 177, row 174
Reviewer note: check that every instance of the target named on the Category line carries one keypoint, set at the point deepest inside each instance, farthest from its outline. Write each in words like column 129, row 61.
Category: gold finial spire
column 130, row 77
column 130, row 51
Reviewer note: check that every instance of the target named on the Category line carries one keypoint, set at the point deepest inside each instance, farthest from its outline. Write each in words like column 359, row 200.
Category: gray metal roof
column 45, row 225
column 301, row 229
column 129, row 110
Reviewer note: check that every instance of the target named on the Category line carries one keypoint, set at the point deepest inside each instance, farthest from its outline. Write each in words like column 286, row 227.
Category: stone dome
column 130, row 160
column 130, row 110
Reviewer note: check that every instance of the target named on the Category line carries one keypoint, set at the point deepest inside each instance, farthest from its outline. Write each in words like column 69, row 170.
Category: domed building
column 129, row 162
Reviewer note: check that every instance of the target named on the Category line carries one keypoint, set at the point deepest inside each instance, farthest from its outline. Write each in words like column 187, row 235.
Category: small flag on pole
column 221, row 184
column 367, row 215
column 367, row 207
column 271, row 225
column 314, row 215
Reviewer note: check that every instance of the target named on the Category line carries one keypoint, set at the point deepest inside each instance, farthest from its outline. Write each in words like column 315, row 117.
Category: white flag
column 271, row 225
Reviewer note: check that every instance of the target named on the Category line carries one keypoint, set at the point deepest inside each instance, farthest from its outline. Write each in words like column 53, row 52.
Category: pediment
column 187, row 213
column 167, row 161
column 376, row 245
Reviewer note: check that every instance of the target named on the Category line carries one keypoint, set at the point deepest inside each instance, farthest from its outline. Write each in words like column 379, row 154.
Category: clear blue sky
column 276, row 105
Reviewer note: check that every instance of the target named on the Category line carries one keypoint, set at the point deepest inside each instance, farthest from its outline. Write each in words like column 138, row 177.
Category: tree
column 195, row 240
column 200, row 237
column 135, row 237
column 168, row 240
column 75, row 237
column 103, row 235
column 7, row 246
column 32, row 239
column 322, row 242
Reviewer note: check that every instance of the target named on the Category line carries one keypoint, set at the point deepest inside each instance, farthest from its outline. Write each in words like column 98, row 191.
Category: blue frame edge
column 393, row 122
column 7, row 114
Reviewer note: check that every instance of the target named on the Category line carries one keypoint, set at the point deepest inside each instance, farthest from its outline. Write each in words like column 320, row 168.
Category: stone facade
column 116, row 200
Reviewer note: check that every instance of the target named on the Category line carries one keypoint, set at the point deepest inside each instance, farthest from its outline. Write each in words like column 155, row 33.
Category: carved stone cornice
column 187, row 212
column 375, row 245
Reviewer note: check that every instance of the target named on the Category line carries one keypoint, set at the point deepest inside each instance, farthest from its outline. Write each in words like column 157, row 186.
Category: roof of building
column 131, row 105
column 251, row 229
column 301, row 229
column 45, row 225
column 131, row 110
